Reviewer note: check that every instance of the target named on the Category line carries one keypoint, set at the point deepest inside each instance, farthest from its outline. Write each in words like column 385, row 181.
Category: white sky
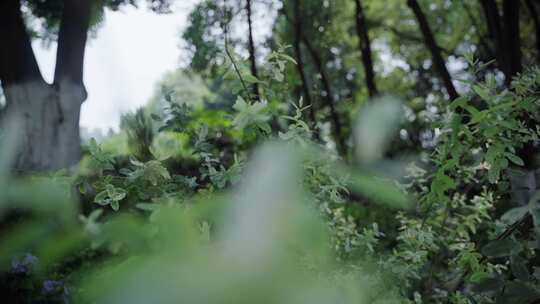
column 132, row 51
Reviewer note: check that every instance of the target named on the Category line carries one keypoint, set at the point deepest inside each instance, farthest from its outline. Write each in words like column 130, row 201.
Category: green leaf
column 135, row 162
column 265, row 127
column 101, row 198
column 250, row 78
column 115, row 205
column 478, row 117
column 493, row 174
column 515, row 214
column 502, row 248
column 518, row 265
column 240, row 104
column 482, row 92
column 518, row 292
column 287, row 57
column 118, row 194
column 82, row 188
column 489, row 285
column 478, row 276
column 515, row 159
column 380, row 190
column 278, row 75
column 459, row 102
column 93, row 146
column 441, row 183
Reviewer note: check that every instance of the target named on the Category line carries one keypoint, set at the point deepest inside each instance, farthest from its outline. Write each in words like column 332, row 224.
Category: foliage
column 472, row 235
column 472, row 232
column 141, row 213
column 226, row 196
column 139, row 131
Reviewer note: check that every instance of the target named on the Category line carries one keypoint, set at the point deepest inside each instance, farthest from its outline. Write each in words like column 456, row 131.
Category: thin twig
column 234, row 65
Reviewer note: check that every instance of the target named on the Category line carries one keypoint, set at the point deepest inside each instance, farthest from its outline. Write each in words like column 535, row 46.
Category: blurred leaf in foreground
column 376, row 125
column 271, row 247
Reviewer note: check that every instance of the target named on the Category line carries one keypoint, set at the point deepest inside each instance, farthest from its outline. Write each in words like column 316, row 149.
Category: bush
column 291, row 222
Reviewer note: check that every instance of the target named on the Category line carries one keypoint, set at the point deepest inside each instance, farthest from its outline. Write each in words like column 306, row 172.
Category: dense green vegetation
column 365, row 152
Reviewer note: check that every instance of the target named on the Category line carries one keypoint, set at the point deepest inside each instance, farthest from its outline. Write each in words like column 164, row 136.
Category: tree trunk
column 493, row 20
column 251, row 48
column 504, row 31
column 536, row 21
column 300, row 64
column 429, row 39
column 479, row 29
column 48, row 114
column 365, row 48
column 17, row 61
column 328, row 96
column 533, row 11
column 511, row 36
column 49, row 125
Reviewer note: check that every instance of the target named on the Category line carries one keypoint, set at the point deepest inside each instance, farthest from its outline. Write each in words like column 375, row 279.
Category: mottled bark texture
column 48, row 113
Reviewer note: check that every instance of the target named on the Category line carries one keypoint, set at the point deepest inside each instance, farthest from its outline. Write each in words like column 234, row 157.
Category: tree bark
column 328, row 95
column 504, row 32
column 511, row 36
column 479, row 29
column 72, row 41
column 68, row 77
column 300, row 64
column 536, row 21
column 429, row 39
column 251, row 48
column 365, row 49
column 17, row 61
column 48, row 114
column 35, row 106
column 493, row 20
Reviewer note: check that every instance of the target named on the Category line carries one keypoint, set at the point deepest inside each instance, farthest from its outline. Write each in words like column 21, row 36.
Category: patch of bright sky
column 131, row 52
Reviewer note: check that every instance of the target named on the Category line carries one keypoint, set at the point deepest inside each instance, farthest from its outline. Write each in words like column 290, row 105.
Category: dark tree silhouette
column 504, row 32
column 300, row 63
column 533, row 11
column 328, row 96
column 365, row 48
column 251, row 48
column 429, row 40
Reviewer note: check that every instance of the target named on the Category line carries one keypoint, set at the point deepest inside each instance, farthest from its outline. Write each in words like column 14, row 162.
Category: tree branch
column 236, row 69
column 430, row 42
